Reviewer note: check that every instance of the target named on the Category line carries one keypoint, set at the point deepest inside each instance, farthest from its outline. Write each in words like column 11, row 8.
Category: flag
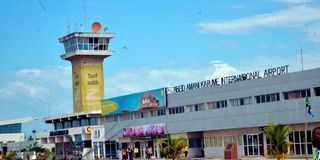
column 308, row 107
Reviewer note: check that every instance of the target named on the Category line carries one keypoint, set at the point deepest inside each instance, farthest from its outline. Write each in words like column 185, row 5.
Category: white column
column 158, row 150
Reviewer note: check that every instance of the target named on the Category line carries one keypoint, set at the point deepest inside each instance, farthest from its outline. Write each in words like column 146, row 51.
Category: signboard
column 58, row 133
column 87, row 82
column 145, row 130
column 232, row 79
column 97, row 134
column 134, row 102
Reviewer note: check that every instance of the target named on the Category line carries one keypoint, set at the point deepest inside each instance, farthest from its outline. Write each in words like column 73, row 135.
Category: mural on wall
column 134, row 102
column 145, row 130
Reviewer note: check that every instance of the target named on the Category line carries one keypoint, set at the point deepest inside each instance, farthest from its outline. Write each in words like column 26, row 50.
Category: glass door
column 253, row 144
column 111, row 149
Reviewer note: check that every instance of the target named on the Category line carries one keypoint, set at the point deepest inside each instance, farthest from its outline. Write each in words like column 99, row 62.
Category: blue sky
column 157, row 44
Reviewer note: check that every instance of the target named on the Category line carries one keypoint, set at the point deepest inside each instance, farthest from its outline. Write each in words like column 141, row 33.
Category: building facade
column 237, row 110
column 71, row 135
column 11, row 134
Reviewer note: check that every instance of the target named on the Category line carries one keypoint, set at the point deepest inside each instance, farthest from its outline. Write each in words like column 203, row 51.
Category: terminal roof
column 86, row 35
column 14, row 121
column 78, row 115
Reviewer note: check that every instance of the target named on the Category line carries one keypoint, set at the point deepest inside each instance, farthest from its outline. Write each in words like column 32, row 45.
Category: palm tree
column 277, row 134
column 172, row 148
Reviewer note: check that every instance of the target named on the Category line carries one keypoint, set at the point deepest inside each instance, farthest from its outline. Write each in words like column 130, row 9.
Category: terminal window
column 195, row 142
column 142, row 114
column 84, row 122
column 11, row 128
column 217, row 104
column 94, row 121
column 67, row 124
column 299, row 144
column 267, row 98
column 161, row 112
column 241, row 101
column 125, row 117
column 196, row 107
column 296, row 94
column 75, row 123
column 95, row 151
column 112, row 118
column 176, row 110
column 58, row 125
column 317, row 91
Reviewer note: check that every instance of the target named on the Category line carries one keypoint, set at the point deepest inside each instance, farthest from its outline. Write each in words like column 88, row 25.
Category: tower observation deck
column 86, row 52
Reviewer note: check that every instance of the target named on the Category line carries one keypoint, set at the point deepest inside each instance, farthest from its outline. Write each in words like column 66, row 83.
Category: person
column 149, row 153
column 130, row 153
column 136, row 151
column 0, row 155
column 316, row 142
column 124, row 153
column 185, row 150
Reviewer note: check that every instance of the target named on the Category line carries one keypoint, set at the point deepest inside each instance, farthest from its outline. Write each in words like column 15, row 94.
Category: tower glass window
column 86, row 43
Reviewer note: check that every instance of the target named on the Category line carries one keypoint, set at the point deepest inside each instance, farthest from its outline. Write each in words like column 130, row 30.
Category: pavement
column 242, row 158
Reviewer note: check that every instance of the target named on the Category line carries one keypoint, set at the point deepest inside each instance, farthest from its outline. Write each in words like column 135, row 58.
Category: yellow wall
column 87, row 82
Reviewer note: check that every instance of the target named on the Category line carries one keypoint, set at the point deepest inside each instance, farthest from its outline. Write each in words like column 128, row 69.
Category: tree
column 36, row 147
column 277, row 134
column 9, row 156
column 172, row 148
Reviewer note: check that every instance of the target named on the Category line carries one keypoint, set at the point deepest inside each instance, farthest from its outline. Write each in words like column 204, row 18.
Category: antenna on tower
column 68, row 25
column 105, row 29
column 81, row 27
column 84, row 14
column 75, row 24
column 301, row 59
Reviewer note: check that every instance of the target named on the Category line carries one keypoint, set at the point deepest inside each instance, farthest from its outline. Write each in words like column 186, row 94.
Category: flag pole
column 306, row 116
column 301, row 59
column 305, row 135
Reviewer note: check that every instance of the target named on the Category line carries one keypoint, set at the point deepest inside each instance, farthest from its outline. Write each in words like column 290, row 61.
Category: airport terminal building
column 215, row 112
column 209, row 113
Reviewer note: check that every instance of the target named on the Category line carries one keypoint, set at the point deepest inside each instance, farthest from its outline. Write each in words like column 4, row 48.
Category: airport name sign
column 232, row 79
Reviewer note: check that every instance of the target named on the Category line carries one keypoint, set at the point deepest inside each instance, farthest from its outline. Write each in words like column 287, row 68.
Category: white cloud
column 310, row 60
column 58, row 74
column 36, row 82
column 5, row 92
column 33, row 72
column 313, row 31
column 292, row 17
column 16, row 88
column 128, row 82
column 221, row 69
column 37, row 92
column 294, row 2
column 145, row 79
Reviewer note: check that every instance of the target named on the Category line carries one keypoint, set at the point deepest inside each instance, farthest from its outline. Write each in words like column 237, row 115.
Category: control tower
column 86, row 52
